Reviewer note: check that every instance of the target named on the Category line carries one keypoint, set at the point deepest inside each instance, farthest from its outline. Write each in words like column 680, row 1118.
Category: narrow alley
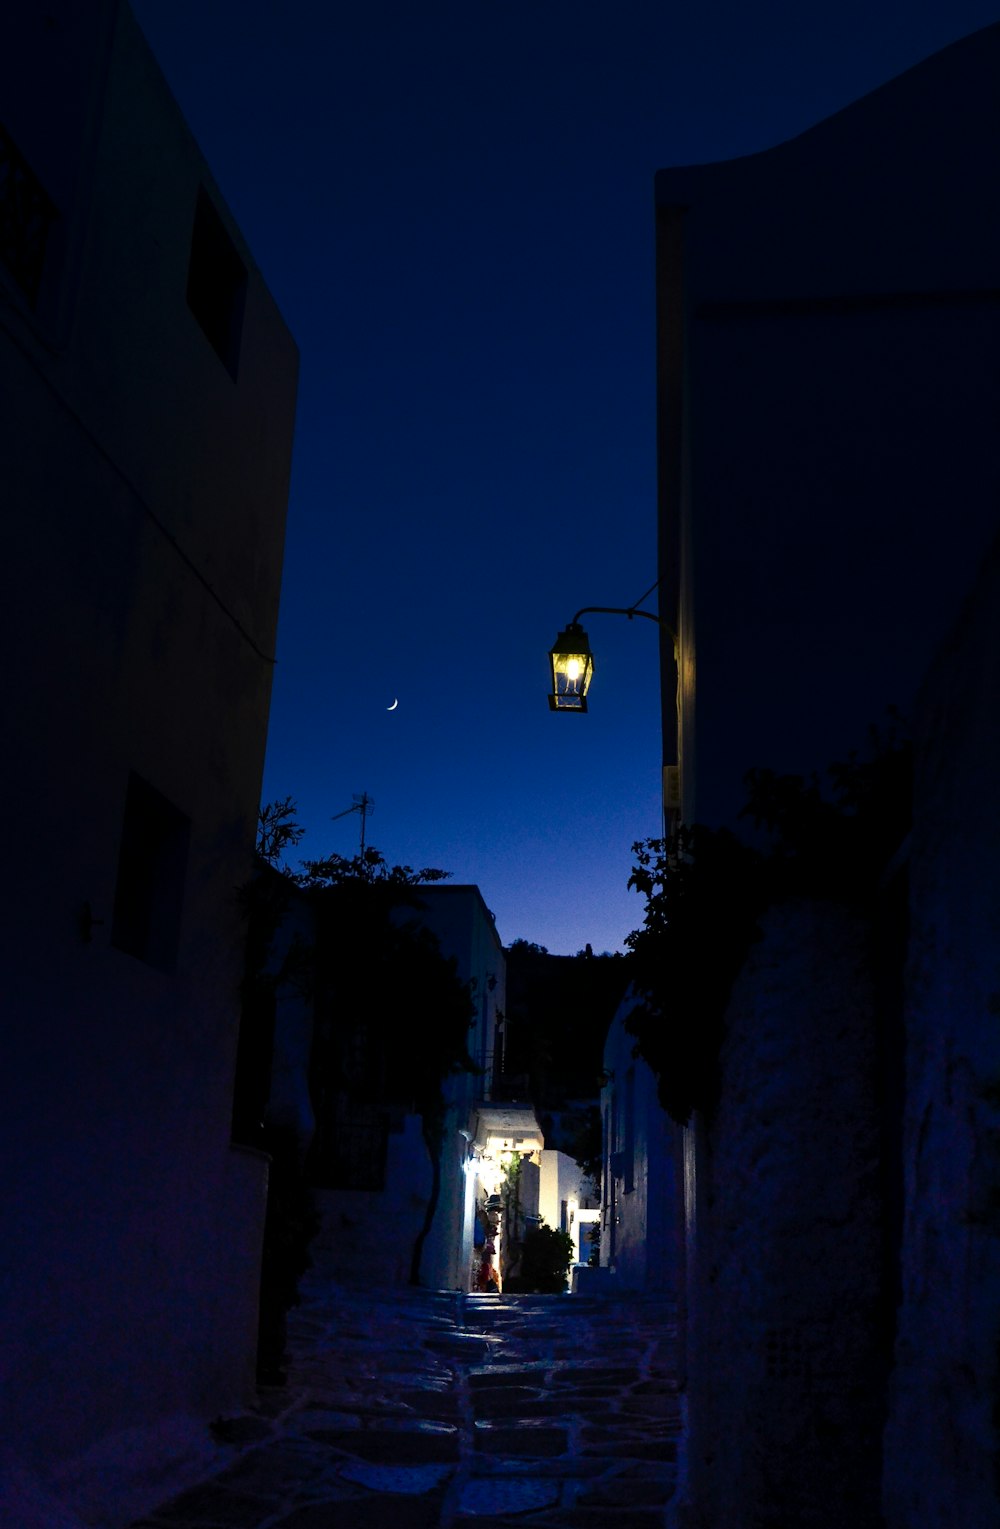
column 408, row 1409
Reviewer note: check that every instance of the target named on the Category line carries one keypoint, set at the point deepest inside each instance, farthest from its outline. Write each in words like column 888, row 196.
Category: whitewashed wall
column 640, row 1209
column 943, row 1439
column 137, row 473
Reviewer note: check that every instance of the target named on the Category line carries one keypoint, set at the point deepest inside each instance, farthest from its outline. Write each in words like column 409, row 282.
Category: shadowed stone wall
column 943, row 1440
column 789, row 1357
column 847, row 1359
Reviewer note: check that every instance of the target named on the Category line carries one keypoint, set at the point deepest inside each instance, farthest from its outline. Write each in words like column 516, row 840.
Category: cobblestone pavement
column 416, row 1410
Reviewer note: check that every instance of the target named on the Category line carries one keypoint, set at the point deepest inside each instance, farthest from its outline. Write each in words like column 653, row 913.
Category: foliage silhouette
column 391, row 1017
column 277, row 830
column 559, row 1009
column 546, row 1255
column 705, row 891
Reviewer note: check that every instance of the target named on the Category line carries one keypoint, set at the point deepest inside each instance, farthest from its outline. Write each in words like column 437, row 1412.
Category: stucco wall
column 787, row 1374
column 144, row 498
column 943, row 1439
column 463, row 924
column 368, row 1235
column 563, row 1189
column 639, row 1198
column 560, row 1180
column 820, row 307
column 794, row 1409
column 459, row 917
column 826, row 505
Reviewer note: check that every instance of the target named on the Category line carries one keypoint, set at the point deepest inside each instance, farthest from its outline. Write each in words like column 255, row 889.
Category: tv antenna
column 363, row 804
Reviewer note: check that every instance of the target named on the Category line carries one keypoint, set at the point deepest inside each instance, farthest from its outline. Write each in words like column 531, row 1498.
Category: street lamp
column 572, row 669
column 572, row 662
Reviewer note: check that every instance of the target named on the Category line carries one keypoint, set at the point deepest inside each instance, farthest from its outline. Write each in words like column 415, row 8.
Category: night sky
column 453, row 207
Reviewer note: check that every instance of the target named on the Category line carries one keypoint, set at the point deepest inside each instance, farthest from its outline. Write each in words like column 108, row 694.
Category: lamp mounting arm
column 616, row 610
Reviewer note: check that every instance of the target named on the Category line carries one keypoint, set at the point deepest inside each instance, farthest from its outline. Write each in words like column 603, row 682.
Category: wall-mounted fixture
column 572, row 663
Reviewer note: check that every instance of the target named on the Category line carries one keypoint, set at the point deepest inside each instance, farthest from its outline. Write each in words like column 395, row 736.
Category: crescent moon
column 394, row 705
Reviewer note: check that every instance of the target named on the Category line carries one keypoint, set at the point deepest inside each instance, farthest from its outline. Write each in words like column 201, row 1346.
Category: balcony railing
column 26, row 215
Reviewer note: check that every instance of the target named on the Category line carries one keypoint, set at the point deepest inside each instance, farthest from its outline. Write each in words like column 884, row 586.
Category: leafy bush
column 545, row 1260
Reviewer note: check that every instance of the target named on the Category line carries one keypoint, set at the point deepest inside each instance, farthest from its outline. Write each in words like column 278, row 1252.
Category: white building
column 466, row 929
column 569, row 1201
column 640, row 1202
column 828, row 477
column 508, row 1153
column 370, row 1158
column 147, row 394
column 828, row 332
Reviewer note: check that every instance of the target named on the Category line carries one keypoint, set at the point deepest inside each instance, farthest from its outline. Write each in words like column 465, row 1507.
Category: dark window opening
column 217, row 284
column 26, row 215
column 152, row 863
column 350, row 1148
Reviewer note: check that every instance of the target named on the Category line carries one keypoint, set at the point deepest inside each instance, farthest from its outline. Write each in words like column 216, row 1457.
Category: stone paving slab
column 432, row 1410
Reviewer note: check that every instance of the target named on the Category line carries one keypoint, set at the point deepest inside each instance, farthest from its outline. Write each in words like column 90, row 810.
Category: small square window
column 152, row 863
column 217, row 284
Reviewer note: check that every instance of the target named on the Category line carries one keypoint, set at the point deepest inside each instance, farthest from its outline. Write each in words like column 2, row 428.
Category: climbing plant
column 706, row 889
column 702, row 903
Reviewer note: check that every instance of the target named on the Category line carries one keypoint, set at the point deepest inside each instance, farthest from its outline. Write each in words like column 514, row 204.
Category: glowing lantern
column 572, row 669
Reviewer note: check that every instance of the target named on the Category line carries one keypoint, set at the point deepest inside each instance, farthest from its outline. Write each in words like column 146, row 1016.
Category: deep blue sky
column 452, row 205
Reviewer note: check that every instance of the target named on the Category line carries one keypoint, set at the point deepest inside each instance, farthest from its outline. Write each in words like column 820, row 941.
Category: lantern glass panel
column 572, row 670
